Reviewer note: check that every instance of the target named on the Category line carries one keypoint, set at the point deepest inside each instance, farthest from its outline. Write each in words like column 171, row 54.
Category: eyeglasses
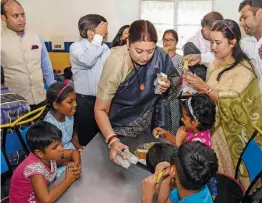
column 168, row 40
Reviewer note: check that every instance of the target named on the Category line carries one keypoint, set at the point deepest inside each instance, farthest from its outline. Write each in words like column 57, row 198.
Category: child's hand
column 181, row 131
column 160, row 132
column 70, row 175
column 163, row 166
column 149, row 188
column 76, row 168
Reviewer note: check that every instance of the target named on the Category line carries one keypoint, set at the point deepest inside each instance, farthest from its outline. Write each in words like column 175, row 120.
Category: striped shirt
column 87, row 61
column 250, row 46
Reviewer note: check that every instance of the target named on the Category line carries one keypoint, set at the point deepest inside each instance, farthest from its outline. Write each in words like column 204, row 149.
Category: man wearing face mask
column 24, row 59
column 87, row 58
column 251, row 21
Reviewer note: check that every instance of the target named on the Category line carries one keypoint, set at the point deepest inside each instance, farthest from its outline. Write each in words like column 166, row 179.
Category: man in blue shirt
column 24, row 56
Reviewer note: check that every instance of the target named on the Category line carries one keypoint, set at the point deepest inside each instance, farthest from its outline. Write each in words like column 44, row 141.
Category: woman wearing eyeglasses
column 233, row 84
column 170, row 40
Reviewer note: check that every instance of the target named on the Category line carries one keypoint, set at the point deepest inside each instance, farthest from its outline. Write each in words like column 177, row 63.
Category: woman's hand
column 196, row 82
column 163, row 88
column 117, row 148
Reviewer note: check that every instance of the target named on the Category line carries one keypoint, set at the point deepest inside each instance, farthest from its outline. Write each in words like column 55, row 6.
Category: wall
column 60, row 17
column 228, row 8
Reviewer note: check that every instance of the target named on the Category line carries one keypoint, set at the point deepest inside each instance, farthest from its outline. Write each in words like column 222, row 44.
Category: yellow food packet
column 185, row 65
column 159, row 176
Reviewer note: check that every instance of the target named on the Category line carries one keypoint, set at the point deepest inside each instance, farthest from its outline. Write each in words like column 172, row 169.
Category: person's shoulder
column 117, row 55
column 195, row 37
column 118, row 51
column 31, row 31
column 22, row 167
column 76, row 46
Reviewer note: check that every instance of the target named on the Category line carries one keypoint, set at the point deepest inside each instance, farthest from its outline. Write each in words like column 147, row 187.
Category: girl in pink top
column 199, row 113
column 29, row 183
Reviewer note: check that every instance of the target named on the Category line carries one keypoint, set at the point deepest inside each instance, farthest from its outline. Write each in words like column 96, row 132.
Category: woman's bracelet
column 112, row 141
column 110, row 136
column 210, row 89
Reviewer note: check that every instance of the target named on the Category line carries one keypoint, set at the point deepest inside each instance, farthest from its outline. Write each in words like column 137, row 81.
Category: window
column 182, row 15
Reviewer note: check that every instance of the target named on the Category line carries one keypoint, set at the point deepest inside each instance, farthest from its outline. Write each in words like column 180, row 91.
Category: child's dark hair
column 57, row 92
column 41, row 134
column 68, row 73
column 158, row 153
column 203, row 109
column 195, row 165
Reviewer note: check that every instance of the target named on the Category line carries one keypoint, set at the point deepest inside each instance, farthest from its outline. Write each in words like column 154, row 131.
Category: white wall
column 228, row 8
column 60, row 17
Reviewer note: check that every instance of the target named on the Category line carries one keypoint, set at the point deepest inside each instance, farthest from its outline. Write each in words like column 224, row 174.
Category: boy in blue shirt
column 190, row 168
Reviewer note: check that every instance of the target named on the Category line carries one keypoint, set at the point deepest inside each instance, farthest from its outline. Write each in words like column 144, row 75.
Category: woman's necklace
column 141, row 82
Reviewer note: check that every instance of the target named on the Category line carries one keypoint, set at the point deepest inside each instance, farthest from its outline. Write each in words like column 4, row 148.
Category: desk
column 103, row 181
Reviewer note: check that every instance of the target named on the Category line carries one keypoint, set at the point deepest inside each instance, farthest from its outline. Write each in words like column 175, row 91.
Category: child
column 61, row 104
column 199, row 114
column 68, row 77
column 30, row 180
column 191, row 169
column 159, row 152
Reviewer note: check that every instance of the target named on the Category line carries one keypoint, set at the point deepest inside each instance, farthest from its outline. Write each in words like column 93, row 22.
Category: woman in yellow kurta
column 233, row 84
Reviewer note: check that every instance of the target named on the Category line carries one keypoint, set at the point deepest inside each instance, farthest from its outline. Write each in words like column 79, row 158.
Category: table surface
column 103, row 181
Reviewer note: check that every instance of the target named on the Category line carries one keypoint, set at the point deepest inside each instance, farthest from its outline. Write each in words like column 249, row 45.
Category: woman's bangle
column 112, row 141
column 210, row 89
column 109, row 137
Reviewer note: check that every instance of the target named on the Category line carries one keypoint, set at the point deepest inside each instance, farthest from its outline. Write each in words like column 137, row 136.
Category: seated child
column 199, row 114
column 68, row 77
column 61, row 107
column 191, row 168
column 30, row 179
column 159, row 152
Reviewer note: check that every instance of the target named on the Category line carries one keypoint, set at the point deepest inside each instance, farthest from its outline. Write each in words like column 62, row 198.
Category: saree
column 238, row 109
column 132, row 110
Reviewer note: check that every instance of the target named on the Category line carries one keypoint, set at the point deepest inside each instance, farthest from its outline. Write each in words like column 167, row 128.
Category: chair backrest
column 4, row 167
column 252, row 158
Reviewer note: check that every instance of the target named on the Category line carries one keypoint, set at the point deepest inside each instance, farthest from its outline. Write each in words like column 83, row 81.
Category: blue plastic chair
column 252, row 158
column 4, row 166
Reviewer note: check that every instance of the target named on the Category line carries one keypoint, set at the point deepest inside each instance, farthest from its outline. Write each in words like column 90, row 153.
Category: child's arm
column 47, row 196
column 181, row 136
column 73, row 155
column 164, row 191
column 149, row 186
column 76, row 143
column 161, row 132
column 165, row 188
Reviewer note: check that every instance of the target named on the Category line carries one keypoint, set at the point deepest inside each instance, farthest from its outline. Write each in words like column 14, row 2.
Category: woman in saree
column 232, row 83
column 170, row 40
column 126, row 98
